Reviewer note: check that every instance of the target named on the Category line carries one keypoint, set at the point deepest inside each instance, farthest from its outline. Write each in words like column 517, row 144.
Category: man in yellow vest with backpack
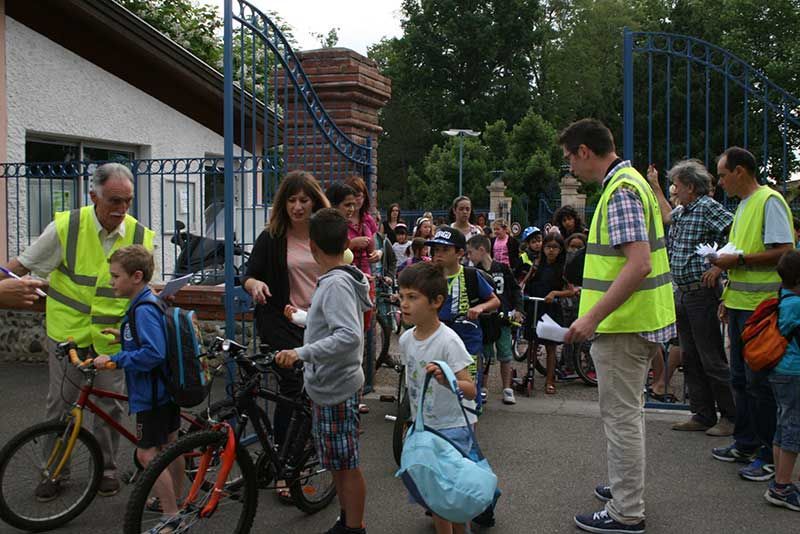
column 627, row 303
column 73, row 251
column 762, row 230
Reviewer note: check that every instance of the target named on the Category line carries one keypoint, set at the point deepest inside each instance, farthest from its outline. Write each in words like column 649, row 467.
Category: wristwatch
column 741, row 259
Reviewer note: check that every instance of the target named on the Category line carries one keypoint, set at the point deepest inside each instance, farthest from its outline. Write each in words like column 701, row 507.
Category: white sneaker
column 508, row 396
column 484, row 394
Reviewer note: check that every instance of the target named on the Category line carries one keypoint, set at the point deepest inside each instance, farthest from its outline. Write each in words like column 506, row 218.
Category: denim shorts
column 786, row 389
column 335, row 430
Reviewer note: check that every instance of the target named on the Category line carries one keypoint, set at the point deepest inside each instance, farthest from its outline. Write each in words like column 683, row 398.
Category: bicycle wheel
column 401, row 425
column 314, row 488
column 24, row 464
column 235, row 510
column 585, row 364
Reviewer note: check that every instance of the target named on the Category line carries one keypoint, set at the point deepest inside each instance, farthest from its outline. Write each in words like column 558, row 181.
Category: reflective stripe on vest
column 82, row 302
column 752, row 284
column 651, row 307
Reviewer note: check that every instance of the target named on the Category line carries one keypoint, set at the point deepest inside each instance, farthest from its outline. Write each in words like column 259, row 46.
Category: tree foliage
column 521, row 70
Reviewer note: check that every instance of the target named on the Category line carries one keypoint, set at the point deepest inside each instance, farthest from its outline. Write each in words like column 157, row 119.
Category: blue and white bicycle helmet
column 529, row 231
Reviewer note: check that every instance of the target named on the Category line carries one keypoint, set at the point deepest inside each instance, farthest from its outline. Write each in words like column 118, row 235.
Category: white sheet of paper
column 550, row 330
column 173, row 286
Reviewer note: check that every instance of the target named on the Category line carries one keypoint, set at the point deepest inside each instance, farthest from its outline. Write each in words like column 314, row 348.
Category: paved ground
column 548, row 452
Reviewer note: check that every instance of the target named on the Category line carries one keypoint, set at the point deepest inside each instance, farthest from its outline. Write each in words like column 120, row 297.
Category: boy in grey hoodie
column 332, row 347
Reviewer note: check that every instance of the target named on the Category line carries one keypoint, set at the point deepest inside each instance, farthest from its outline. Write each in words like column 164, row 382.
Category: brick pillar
column 352, row 91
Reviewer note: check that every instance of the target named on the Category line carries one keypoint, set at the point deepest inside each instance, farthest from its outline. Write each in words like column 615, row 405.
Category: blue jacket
column 789, row 325
column 139, row 361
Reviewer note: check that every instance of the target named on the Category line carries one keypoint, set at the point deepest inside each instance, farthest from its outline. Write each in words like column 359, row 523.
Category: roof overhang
column 113, row 38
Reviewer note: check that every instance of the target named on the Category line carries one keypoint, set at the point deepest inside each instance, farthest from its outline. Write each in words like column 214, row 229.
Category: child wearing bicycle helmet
column 531, row 247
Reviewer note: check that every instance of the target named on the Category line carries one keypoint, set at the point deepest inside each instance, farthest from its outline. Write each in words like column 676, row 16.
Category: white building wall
column 52, row 91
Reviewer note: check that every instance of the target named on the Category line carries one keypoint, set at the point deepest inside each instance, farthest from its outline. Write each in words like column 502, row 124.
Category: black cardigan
column 268, row 264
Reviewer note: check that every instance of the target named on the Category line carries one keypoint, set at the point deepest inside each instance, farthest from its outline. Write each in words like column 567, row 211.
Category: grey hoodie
column 333, row 342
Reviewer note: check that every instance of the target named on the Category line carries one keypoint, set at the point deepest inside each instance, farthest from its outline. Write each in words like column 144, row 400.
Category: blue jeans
column 787, row 395
column 755, row 403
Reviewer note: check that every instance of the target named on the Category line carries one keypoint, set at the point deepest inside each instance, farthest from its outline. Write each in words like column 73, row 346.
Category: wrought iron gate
column 274, row 123
column 698, row 100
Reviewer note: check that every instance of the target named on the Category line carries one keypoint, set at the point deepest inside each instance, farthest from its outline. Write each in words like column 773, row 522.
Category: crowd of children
column 458, row 292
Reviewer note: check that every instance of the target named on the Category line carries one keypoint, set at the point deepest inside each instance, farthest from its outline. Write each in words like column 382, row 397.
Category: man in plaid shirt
column 699, row 219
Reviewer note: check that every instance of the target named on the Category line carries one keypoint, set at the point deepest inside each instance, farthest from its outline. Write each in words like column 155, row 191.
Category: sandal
column 550, row 389
column 284, row 495
column 363, row 408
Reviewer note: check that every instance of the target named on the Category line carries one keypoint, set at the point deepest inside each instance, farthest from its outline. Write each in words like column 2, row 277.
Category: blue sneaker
column 731, row 454
column 603, row 493
column 786, row 498
column 758, row 471
column 602, row 522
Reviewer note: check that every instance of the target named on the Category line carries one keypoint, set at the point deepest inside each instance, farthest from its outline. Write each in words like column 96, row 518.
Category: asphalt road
column 548, row 452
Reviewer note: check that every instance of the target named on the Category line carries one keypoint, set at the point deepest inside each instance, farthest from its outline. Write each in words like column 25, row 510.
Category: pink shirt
column 303, row 272
column 500, row 251
column 366, row 228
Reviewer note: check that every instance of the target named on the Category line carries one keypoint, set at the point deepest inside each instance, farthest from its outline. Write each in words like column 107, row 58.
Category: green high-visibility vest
column 651, row 307
column 526, row 259
column 750, row 285
column 80, row 300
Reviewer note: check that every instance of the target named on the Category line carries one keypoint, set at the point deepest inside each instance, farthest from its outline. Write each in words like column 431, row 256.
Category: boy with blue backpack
column 143, row 354
column 423, row 290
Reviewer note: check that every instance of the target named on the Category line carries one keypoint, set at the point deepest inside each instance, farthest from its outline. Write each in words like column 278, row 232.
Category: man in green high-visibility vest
column 627, row 303
column 762, row 230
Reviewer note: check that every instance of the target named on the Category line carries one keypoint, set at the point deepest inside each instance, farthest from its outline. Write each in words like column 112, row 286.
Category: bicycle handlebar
column 75, row 360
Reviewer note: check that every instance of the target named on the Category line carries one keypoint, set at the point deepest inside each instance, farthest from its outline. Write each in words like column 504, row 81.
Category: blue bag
column 438, row 474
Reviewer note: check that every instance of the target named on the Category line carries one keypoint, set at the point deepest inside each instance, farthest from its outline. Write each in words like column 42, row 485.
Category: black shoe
column 485, row 519
column 47, row 490
column 108, row 486
column 339, row 528
column 602, row 522
column 603, row 493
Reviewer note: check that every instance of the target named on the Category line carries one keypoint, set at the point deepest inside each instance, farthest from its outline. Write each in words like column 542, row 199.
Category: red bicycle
column 62, row 453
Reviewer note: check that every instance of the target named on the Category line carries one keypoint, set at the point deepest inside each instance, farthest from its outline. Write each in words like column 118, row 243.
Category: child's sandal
column 550, row 389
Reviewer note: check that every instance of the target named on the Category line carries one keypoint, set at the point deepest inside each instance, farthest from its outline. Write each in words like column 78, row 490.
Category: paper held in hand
column 173, row 286
column 550, row 330
column 712, row 252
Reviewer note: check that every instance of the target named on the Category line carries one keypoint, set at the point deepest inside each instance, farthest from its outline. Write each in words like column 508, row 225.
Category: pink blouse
column 303, row 272
column 500, row 251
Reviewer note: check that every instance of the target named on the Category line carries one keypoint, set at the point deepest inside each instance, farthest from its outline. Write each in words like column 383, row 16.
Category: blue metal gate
column 263, row 79
column 684, row 97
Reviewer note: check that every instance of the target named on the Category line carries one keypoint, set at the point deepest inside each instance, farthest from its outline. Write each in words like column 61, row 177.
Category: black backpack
column 490, row 326
column 186, row 376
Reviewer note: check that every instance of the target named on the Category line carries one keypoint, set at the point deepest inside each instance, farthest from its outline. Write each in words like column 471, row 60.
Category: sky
column 361, row 23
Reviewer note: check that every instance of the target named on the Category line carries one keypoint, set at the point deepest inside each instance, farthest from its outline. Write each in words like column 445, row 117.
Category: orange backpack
column 764, row 345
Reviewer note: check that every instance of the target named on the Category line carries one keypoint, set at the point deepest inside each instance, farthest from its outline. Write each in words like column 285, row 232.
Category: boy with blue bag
column 441, row 466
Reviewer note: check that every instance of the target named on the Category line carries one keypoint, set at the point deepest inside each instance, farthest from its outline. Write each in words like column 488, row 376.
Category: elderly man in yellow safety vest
column 73, row 250
column 627, row 301
column 762, row 231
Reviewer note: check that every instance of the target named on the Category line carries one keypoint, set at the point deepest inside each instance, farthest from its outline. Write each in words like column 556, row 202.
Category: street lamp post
column 461, row 134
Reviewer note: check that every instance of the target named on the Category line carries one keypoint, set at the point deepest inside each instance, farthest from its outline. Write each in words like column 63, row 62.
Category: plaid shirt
column 703, row 221
column 626, row 224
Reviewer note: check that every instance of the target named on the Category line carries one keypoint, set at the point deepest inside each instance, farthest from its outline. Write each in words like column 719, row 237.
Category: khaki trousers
column 63, row 392
column 622, row 362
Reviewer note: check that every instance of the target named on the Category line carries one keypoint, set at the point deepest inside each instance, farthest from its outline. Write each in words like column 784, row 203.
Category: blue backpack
column 186, row 375
column 452, row 484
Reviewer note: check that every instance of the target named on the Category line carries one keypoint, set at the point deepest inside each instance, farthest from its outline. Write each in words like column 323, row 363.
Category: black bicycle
column 389, row 320
column 222, row 493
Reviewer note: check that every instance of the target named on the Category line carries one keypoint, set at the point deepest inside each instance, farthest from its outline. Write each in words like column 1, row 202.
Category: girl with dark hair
column 282, row 272
column 463, row 218
column 568, row 222
column 392, row 219
column 547, row 281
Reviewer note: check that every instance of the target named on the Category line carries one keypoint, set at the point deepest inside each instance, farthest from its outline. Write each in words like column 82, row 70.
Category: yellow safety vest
column 651, row 307
column 750, row 285
column 80, row 300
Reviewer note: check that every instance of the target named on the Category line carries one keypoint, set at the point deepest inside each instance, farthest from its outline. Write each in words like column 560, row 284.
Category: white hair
column 107, row 171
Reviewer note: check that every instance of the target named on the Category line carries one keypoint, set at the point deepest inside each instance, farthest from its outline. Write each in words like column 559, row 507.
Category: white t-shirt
column 441, row 408
column 400, row 252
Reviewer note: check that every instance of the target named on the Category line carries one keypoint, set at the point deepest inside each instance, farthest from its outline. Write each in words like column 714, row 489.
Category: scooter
column 204, row 258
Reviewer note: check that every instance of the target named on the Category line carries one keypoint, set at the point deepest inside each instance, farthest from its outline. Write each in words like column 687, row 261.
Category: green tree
column 194, row 26
column 328, row 40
